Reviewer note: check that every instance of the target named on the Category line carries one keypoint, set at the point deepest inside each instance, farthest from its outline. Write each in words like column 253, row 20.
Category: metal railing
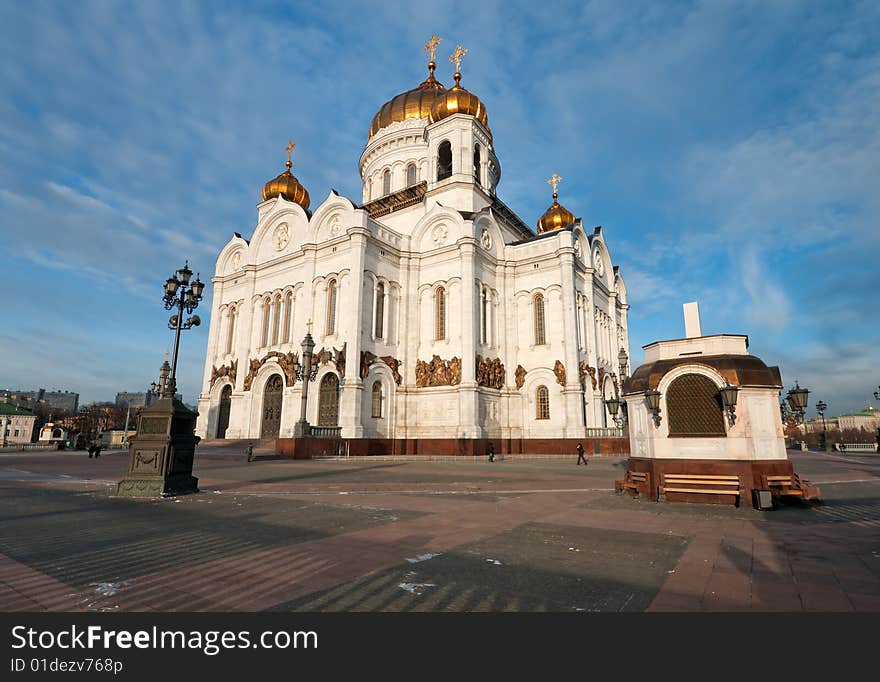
column 325, row 431
column 15, row 447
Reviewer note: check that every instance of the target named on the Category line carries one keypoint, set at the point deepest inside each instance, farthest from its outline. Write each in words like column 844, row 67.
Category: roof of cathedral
column 415, row 103
column 286, row 185
column 457, row 100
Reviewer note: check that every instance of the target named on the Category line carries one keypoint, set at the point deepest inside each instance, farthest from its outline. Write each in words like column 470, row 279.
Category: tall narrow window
column 288, row 316
column 440, row 314
column 444, row 160
column 377, row 400
column 540, row 338
column 230, row 332
column 542, row 401
column 411, row 175
column 264, row 338
column 386, row 182
column 276, row 319
column 484, row 308
column 477, row 163
column 380, row 310
column 331, row 307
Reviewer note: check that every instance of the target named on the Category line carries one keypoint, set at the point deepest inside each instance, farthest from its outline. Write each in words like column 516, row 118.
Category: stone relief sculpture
column 368, row 358
column 288, row 363
column 438, row 372
column 559, row 371
column 520, row 376
column 489, row 373
column 224, row 371
column 592, row 372
column 334, row 355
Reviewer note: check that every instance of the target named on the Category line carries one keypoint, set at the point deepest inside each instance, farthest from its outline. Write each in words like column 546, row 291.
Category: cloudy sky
column 730, row 150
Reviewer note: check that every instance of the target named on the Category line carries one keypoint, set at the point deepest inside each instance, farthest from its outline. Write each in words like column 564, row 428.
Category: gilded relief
column 559, row 371
column 438, row 372
column 224, row 371
column 489, row 373
column 520, row 376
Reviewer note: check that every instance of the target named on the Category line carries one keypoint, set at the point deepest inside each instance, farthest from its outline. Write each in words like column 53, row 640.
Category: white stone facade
column 388, row 271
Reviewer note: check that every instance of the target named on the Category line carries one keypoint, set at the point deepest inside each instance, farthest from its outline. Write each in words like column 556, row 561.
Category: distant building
column 67, row 401
column 134, row 399
column 52, row 433
column 17, row 425
column 869, row 419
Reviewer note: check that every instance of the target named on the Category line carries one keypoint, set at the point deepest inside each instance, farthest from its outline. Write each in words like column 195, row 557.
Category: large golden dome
column 415, row 103
column 557, row 216
column 287, row 186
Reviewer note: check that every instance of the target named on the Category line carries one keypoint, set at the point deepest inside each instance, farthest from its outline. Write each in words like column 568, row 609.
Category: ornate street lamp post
column 305, row 373
column 161, row 454
column 613, row 405
column 180, row 294
column 821, row 406
column 728, row 400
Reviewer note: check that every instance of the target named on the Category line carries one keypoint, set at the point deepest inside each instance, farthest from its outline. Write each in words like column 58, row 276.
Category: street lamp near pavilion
column 797, row 400
column 613, row 405
column 653, row 399
column 183, row 295
column 728, row 400
column 821, row 406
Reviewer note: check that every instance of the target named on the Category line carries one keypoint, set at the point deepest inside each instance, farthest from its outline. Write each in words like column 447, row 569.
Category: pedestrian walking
column 91, row 450
column 491, row 452
column 97, row 449
column 580, row 451
column 250, row 452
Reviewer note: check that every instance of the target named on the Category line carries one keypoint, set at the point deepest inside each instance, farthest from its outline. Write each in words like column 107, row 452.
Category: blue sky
column 730, row 150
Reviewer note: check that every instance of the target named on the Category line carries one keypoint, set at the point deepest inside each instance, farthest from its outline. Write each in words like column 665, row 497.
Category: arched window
column 694, row 407
column 484, row 309
column 440, row 313
column 542, row 403
column 477, row 163
column 230, row 332
column 540, row 337
column 288, row 317
column 412, row 176
column 264, row 338
column 386, row 182
column 331, row 307
column 380, row 311
column 377, row 400
column 444, row 160
column 276, row 319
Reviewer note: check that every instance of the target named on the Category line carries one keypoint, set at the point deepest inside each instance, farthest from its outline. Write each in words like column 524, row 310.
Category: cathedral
column 436, row 312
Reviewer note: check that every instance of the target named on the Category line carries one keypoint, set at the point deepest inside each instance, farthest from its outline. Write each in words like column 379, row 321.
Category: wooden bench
column 635, row 483
column 790, row 485
column 700, row 483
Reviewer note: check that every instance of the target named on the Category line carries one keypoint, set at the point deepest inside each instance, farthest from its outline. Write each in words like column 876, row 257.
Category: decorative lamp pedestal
column 161, row 454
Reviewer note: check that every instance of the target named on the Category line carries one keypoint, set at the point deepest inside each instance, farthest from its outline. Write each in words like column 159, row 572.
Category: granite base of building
column 306, row 448
column 752, row 475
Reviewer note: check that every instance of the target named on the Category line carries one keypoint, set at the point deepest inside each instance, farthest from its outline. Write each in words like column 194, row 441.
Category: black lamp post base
column 157, row 487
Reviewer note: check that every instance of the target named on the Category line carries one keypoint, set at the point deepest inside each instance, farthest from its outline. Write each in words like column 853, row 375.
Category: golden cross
column 309, row 326
column 554, row 180
column 457, row 55
column 289, row 148
column 433, row 42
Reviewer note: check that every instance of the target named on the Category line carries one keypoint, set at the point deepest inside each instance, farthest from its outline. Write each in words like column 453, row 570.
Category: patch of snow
column 109, row 589
column 423, row 557
column 415, row 588
column 494, row 561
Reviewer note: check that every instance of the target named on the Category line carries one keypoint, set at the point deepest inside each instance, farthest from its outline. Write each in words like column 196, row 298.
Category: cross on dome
column 432, row 43
column 554, row 180
column 457, row 55
column 289, row 148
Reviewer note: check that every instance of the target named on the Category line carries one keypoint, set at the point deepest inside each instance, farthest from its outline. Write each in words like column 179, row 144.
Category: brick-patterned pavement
column 390, row 535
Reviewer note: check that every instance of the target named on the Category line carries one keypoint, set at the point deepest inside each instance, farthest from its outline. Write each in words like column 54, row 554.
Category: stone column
column 571, row 393
column 468, row 412
column 352, row 385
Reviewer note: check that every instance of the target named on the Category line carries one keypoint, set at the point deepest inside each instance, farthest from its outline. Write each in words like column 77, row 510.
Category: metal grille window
column 231, row 331
column 542, row 399
column 539, row 320
column 264, row 339
column 377, row 400
column 694, row 407
column 276, row 319
column 440, row 314
column 411, row 175
column 386, row 182
column 477, row 163
column 288, row 315
column 380, row 310
column 444, row 160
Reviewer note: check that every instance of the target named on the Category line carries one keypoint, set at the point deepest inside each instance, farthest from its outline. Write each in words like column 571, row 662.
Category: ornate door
column 272, row 407
column 223, row 417
column 328, row 401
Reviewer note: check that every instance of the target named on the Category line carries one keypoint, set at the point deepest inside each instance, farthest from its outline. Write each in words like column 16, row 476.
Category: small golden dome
column 287, row 185
column 457, row 100
column 415, row 103
column 557, row 216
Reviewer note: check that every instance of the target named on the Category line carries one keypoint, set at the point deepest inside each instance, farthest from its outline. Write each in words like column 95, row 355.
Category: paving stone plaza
column 396, row 535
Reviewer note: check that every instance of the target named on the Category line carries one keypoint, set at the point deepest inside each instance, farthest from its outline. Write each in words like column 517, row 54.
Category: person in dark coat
column 250, row 452
column 91, row 450
column 580, row 451
column 491, row 452
column 97, row 449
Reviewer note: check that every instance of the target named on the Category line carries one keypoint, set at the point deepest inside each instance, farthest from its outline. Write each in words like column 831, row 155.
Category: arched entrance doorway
column 328, row 401
column 272, row 407
column 223, row 416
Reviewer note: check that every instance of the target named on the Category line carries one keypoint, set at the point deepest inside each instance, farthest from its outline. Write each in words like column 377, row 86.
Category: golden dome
column 457, row 100
column 415, row 103
column 557, row 216
column 287, row 185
